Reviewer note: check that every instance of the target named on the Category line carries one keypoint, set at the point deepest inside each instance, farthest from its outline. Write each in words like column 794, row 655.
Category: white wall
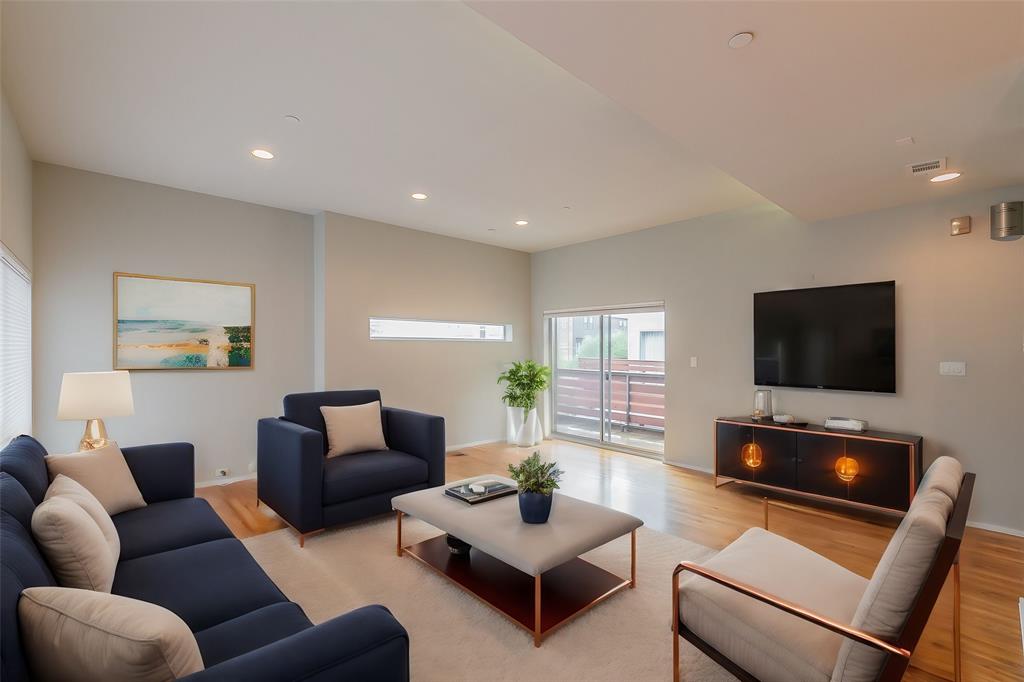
column 88, row 226
column 958, row 298
column 15, row 188
column 380, row 270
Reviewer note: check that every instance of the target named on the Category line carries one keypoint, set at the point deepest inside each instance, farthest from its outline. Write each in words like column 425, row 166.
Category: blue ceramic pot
column 535, row 507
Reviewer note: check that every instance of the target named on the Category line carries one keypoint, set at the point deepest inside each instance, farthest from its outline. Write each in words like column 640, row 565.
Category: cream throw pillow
column 353, row 428
column 74, row 545
column 81, row 635
column 65, row 487
column 104, row 473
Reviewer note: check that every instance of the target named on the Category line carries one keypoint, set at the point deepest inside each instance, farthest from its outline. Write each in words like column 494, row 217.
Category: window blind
column 15, row 349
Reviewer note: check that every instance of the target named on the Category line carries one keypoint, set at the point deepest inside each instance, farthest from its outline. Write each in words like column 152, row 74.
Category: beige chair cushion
column 353, row 428
column 104, row 473
column 63, row 486
column 772, row 645
column 945, row 474
column 86, row 636
column 73, row 545
column 895, row 584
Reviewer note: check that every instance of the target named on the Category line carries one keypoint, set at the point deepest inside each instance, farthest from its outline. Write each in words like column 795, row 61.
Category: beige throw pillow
column 65, row 487
column 104, row 473
column 82, row 635
column 353, row 428
column 73, row 545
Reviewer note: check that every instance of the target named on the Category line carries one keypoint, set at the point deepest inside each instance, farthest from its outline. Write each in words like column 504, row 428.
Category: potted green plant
column 537, row 482
column 524, row 382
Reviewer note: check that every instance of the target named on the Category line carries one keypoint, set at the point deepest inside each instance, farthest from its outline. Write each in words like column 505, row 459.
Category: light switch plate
column 953, row 369
column 693, row 361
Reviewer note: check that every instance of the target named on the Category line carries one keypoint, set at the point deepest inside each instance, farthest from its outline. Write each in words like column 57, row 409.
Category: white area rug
column 454, row 636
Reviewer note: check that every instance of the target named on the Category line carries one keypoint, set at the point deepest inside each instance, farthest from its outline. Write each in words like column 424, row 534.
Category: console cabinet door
column 778, row 451
column 883, row 479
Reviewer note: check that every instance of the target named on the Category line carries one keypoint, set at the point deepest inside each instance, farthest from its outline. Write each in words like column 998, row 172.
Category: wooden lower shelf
column 566, row 591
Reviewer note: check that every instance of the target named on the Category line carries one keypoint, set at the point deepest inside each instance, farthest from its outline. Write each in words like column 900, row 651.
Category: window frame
column 507, row 338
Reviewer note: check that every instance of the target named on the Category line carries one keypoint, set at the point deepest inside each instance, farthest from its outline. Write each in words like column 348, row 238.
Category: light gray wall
column 15, row 188
column 380, row 270
column 87, row 226
column 958, row 298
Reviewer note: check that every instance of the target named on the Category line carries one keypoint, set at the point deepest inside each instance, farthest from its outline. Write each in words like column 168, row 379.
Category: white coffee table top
column 495, row 527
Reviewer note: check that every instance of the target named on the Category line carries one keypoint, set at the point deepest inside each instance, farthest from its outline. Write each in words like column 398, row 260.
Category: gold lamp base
column 95, row 435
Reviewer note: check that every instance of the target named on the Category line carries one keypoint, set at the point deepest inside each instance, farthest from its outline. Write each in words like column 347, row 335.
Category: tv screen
column 840, row 338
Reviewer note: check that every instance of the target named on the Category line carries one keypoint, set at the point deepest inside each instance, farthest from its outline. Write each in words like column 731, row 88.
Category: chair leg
column 956, row 620
column 675, row 627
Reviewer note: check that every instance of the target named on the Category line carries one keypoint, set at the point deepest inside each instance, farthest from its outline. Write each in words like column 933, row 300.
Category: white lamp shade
column 95, row 395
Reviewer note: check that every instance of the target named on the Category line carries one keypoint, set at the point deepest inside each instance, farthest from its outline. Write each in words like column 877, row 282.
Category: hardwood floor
column 686, row 503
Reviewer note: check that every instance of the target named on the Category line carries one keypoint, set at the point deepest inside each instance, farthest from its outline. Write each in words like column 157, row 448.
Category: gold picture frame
column 178, row 323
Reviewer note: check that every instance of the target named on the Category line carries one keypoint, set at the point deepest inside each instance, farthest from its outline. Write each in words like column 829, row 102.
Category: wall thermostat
column 961, row 225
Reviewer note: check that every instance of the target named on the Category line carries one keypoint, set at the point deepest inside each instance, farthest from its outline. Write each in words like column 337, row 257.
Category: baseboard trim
column 225, row 480
column 473, row 444
column 691, row 467
column 996, row 528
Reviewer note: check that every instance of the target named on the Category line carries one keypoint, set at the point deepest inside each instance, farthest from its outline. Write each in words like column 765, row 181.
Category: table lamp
column 92, row 396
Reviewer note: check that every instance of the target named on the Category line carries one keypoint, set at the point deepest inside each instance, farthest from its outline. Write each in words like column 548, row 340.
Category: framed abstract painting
column 174, row 323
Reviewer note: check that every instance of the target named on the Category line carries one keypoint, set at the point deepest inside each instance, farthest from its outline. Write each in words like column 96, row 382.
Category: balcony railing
column 635, row 399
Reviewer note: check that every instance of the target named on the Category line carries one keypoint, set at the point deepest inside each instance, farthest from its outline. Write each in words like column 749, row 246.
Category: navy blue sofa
column 311, row 492
column 176, row 552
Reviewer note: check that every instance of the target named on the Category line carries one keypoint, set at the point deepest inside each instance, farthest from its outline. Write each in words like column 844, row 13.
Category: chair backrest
column 23, row 483
column 304, row 408
column 909, row 576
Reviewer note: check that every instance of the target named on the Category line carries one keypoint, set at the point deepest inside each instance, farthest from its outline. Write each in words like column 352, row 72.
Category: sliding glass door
column 609, row 377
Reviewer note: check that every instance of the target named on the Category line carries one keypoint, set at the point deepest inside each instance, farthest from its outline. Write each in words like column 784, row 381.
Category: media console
column 873, row 469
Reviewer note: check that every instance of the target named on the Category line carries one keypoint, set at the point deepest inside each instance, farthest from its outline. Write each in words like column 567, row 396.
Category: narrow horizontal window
column 384, row 328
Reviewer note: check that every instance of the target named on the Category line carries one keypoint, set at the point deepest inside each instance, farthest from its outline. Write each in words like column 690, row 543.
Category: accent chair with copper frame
column 767, row 609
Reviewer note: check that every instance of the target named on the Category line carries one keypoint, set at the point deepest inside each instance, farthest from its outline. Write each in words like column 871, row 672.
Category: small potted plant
column 524, row 381
column 537, row 482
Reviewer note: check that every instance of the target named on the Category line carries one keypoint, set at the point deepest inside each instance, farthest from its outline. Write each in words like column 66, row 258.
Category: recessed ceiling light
column 952, row 175
column 492, row 229
column 741, row 40
column 521, row 223
column 262, row 154
column 419, row 196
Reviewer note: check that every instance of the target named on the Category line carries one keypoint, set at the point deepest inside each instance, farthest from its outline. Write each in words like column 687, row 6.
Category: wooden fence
column 636, row 395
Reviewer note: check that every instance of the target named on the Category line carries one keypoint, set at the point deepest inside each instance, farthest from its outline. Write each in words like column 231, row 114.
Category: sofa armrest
column 418, row 434
column 290, row 472
column 165, row 471
column 365, row 644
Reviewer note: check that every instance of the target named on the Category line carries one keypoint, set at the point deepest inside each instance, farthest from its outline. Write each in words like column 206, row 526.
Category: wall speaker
column 1008, row 221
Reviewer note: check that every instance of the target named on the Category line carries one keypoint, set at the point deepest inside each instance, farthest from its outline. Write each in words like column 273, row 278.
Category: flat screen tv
column 841, row 338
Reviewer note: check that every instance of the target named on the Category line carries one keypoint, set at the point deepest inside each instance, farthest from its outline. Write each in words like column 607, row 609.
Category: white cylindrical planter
column 523, row 428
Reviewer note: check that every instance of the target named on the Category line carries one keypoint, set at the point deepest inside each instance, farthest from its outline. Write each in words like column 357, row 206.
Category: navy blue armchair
column 176, row 552
column 311, row 492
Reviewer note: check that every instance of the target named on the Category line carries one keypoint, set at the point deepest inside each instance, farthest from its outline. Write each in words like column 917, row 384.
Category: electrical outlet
column 221, row 473
column 953, row 369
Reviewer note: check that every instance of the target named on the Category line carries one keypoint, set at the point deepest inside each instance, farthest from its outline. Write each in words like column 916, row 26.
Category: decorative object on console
column 762, row 403
column 92, row 396
column 846, row 424
column 176, row 323
column 783, row 419
column 537, row 482
column 1007, row 221
column 525, row 380
column 870, row 468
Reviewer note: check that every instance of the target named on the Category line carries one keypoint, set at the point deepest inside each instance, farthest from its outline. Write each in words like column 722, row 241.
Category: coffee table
column 517, row 567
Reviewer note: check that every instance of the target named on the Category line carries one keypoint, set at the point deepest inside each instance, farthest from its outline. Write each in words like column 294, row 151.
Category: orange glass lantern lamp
column 846, row 466
column 751, row 455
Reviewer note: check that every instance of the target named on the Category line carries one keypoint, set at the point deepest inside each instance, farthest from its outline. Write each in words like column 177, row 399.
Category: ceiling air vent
column 927, row 167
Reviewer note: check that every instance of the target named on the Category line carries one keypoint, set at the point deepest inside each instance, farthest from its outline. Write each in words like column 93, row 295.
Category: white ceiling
column 623, row 111
column 394, row 98
column 808, row 114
